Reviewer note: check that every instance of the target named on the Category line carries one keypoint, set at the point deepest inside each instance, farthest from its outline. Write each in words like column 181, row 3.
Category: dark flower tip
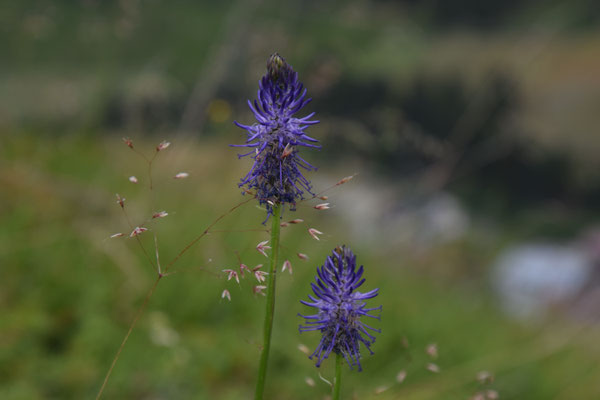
column 340, row 307
column 276, row 137
column 278, row 69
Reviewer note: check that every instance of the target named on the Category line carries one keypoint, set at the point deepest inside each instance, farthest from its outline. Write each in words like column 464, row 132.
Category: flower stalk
column 276, row 179
column 337, row 384
column 270, row 303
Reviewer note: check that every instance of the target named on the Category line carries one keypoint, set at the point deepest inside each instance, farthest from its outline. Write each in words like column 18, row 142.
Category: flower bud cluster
column 340, row 307
column 275, row 139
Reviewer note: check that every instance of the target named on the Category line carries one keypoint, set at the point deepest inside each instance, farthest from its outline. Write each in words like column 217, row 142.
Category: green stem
column 337, row 384
column 270, row 312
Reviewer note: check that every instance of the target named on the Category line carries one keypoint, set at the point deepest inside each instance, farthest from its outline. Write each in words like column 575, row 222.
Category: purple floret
column 340, row 308
column 276, row 174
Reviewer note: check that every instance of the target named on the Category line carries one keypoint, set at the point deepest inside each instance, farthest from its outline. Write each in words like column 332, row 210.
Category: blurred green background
column 472, row 126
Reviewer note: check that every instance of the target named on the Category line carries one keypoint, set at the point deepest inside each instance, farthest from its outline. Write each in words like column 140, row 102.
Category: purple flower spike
column 340, row 307
column 276, row 136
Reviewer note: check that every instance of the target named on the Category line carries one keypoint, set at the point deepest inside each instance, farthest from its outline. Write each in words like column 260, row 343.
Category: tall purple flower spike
column 340, row 307
column 275, row 138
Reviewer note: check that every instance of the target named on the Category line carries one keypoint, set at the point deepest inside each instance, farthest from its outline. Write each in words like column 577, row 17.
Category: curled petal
column 181, row 175
column 232, row 274
column 138, row 230
column 314, row 232
column 163, row 145
column 259, row 289
column 160, row 214
column 262, row 246
column 287, row 265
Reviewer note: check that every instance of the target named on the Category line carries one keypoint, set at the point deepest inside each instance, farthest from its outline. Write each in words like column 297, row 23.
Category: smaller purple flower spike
column 340, row 307
column 276, row 174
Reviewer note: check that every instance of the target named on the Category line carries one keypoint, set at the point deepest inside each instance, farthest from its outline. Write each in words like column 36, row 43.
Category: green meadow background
column 491, row 103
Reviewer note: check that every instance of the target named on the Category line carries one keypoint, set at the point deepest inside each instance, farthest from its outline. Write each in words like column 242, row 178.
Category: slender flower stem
column 337, row 384
column 270, row 311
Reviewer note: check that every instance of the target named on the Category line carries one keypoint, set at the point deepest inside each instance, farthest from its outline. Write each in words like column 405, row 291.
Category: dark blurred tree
column 487, row 15
column 439, row 121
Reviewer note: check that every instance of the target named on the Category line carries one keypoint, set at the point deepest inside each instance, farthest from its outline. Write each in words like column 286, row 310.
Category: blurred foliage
column 69, row 293
column 387, row 90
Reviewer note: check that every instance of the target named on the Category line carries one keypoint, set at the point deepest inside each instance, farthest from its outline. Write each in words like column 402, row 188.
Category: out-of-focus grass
column 68, row 293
